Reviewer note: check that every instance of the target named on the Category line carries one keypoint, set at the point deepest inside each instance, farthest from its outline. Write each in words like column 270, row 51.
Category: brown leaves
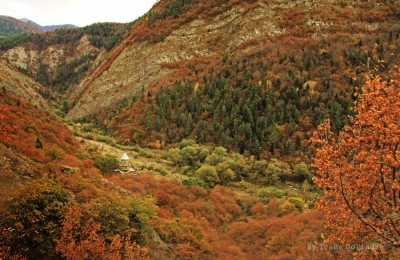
column 359, row 170
column 5, row 246
column 5, row 128
column 81, row 240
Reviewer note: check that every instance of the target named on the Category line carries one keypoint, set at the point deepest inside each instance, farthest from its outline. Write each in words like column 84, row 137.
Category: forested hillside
column 265, row 96
column 39, row 56
column 257, row 129
column 63, row 202
column 256, row 77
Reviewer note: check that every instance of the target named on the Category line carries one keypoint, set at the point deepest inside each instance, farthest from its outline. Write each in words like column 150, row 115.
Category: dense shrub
column 106, row 163
column 196, row 182
column 298, row 202
column 34, row 212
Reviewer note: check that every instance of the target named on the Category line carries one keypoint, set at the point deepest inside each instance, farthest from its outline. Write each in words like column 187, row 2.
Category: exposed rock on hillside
column 30, row 59
column 146, row 64
column 237, row 29
column 21, row 85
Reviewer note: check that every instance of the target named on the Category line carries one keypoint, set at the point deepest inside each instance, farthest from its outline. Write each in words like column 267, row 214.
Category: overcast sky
column 77, row 12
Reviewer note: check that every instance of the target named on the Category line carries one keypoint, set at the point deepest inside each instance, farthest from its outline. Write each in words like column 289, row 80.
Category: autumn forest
column 257, row 129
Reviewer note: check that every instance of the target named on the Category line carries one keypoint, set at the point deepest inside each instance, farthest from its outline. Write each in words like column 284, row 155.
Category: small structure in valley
column 125, row 164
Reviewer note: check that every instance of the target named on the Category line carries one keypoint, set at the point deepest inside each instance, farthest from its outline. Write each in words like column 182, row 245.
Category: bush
column 299, row 203
column 55, row 153
column 286, row 208
column 34, row 212
column 273, row 206
column 162, row 170
column 208, row 174
column 146, row 153
column 246, row 202
column 269, row 192
column 258, row 209
column 174, row 155
column 186, row 142
column 162, row 198
column 270, row 173
column 82, row 156
column 218, row 155
column 194, row 155
column 276, row 171
column 225, row 173
column 106, row 163
column 196, row 182
column 301, row 172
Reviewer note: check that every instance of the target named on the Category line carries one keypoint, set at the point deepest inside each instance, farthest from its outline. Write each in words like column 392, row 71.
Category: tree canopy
column 359, row 169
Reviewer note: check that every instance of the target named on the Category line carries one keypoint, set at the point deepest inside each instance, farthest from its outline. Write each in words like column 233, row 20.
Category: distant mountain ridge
column 47, row 27
column 10, row 26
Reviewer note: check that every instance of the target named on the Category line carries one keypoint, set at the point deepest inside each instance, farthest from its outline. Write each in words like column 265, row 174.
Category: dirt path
column 92, row 145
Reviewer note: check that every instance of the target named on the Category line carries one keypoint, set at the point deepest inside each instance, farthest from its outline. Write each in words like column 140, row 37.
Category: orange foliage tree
column 359, row 169
column 84, row 241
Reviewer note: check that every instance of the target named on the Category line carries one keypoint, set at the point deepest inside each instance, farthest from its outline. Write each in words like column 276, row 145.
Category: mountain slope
column 60, row 58
column 254, row 76
column 10, row 26
column 157, row 54
column 304, row 60
column 22, row 86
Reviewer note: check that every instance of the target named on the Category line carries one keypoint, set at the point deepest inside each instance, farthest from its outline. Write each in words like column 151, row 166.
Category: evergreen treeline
column 245, row 117
column 68, row 73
